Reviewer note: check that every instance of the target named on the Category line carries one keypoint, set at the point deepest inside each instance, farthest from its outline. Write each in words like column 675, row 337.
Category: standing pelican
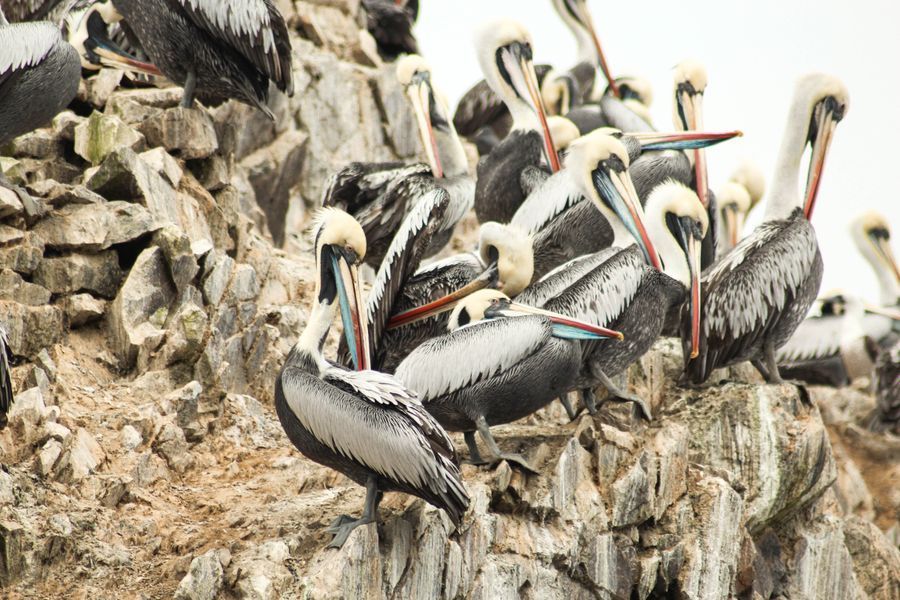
column 364, row 424
column 872, row 235
column 6, row 390
column 758, row 294
column 390, row 22
column 498, row 370
column 733, row 203
column 380, row 195
column 577, row 17
column 39, row 75
column 215, row 49
column 504, row 51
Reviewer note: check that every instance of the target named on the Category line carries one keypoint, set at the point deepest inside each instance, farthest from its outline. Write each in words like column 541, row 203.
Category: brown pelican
column 503, row 261
column 39, row 76
column 618, row 289
column 380, row 195
column 631, row 112
column 215, row 49
column 886, row 416
column 364, row 424
column 757, row 295
column 733, row 203
column 21, row 11
column 751, row 177
column 504, row 51
column 577, row 17
column 500, row 362
column 872, row 235
column 390, row 22
column 6, row 390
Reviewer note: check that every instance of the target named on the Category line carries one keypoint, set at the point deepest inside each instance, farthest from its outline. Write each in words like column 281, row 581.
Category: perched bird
column 20, row 11
column 6, row 390
column 217, row 50
column 504, row 51
column 39, row 76
column 390, row 22
column 495, row 367
column 872, row 235
column 733, row 204
column 380, row 195
column 590, row 57
column 756, row 296
column 886, row 416
column 364, row 424
column 751, row 177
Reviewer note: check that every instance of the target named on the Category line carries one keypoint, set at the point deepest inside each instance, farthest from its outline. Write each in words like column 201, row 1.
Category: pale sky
column 753, row 52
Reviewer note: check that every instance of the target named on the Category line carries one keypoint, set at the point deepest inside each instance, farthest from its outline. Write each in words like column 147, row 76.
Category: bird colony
column 253, row 345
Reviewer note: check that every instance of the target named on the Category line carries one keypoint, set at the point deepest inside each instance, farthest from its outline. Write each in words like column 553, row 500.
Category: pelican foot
column 335, row 525
column 567, row 404
column 342, row 532
column 590, row 402
column 640, row 402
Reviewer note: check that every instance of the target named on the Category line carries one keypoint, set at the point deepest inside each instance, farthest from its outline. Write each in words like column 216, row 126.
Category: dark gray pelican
column 503, row 260
column 618, row 289
column 734, row 201
column 39, row 76
column 500, row 362
column 364, row 424
column 20, row 11
column 214, row 49
column 832, row 347
column 390, row 22
column 886, row 416
column 380, row 195
column 756, row 296
column 631, row 112
column 6, row 390
column 504, row 51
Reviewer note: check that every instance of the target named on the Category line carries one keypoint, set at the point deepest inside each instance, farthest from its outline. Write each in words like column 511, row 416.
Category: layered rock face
column 152, row 290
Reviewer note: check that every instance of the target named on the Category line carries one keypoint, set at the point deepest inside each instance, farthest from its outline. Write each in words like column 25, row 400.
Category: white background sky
column 753, row 52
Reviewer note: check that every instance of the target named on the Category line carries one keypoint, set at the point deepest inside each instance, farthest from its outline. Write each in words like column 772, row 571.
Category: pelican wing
column 532, row 178
column 556, row 195
column 556, row 281
column 6, row 390
column 24, row 45
column 471, row 354
column 815, row 338
column 372, row 419
column 403, row 257
column 391, row 26
column 18, row 11
column 479, row 107
column 621, row 117
column 254, row 28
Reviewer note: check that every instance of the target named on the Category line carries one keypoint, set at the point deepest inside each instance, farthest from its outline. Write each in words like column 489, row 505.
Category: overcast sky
column 753, row 52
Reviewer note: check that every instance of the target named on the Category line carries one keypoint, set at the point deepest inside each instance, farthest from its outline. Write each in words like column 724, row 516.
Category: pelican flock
column 596, row 235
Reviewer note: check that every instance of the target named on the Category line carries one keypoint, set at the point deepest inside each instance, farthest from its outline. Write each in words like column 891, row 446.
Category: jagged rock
column 65, row 123
column 140, row 309
column 83, row 308
column 103, row 134
column 204, row 579
column 9, row 235
column 10, row 204
column 217, row 271
column 164, row 164
column 16, row 289
column 46, row 362
column 185, row 334
column 40, row 143
column 186, row 132
column 46, row 458
column 81, row 455
column 102, row 85
column 212, row 172
column 60, row 194
column 124, row 174
column 876, row 562
column 401, row 120
column 131, row 437
column 260, row 573
column 25, row 256
column 176, row 247
column 95, row 227
column 257, row 130
column 31, row 328
column 172, row 446
column 97, row 273
column 822, row 565
column 12, row 551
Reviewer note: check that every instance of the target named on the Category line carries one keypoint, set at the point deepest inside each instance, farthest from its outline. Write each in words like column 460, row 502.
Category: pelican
column 390, row 22
column 631, row 112
column 364, row 424
column 732, row 203
column 886, row 416
column 831, row 348
column 872, row 235
column 380, row 195
column 618, row 289
column 6, row 390
column 21, row 11
column 500, row 362
column 577, row 17
column 504, row 51
column 757, row 295
column 751, row 178
column 503, row 261
column 215, row 49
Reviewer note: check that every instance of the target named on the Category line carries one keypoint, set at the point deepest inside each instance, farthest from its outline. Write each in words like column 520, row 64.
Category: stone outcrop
column 157, row 278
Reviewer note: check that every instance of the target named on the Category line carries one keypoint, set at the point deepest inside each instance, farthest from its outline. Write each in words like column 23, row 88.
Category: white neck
column 315, row 332
column 889, row 290
column 675, row 263
column 451, row 152
column 621, row 236
column 522, row 115
column 785, row 194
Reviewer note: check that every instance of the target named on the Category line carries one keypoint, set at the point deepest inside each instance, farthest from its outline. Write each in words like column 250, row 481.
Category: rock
column 186, row 132
column 81, row 455
column 7, row 489
column 46, row 363
column 164, row 164
column 46, row 458
column 131, row 437
column 125, row 175
column 61, row 194
column 103, row 134
column 10, row 204
column 40, row 143
column 876, row 561
column 204, row 579
column 95, row 227
column 822, row 566
column 97, row 273
column 176, row 247
column 83, row 308
column 23, row 257
column 217, row 271
column 31, row 328
column 172, row 446
column 102, row 85
column 16, row 289
column 140, row 309
column 65, row 123
column 12, row 551
column 260, row 572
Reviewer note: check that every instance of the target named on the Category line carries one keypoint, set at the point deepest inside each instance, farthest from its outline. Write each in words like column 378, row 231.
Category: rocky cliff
column 152, row 290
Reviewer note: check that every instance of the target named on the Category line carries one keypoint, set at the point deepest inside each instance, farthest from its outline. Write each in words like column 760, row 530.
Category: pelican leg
column 567, row 404
column 616, row 394
column 474, row 455
column 761, row 367
column 589, row 400
column 494, row 453
column 343, row 525
column 190, row 84
column 772, row 364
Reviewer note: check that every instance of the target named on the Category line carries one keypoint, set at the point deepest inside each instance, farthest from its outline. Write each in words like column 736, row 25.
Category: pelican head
column 414, row 75
column 734, row 203
column 636, row 89
column 577, row 17
column 690, row 85
column 340, row 248
column 558, row 91
column 505, row 54
column 749, row 175
column 564, row 132
column 599, row 164
column 471, row 309
column 872, row 236
column 678, row 223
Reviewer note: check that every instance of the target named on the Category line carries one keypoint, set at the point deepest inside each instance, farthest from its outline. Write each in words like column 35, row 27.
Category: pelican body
column 871, row 233
column 390, row 22
column 6, row 390
column 757, row 295
column 364, row 424
column 887, row 391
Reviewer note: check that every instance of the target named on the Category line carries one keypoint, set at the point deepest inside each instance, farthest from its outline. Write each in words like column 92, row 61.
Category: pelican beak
column 584, row 15
column 883, row 250
column 682, row 140
column 689, row 104
column 884, row 311
column 563, row 326
column 693, row 255
column 353, row 311
column 518, row 64
column 422, row 98
column 734, row 222
column 446, row 303
column 617, row 189
column 824, row 121
column 101, row 50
